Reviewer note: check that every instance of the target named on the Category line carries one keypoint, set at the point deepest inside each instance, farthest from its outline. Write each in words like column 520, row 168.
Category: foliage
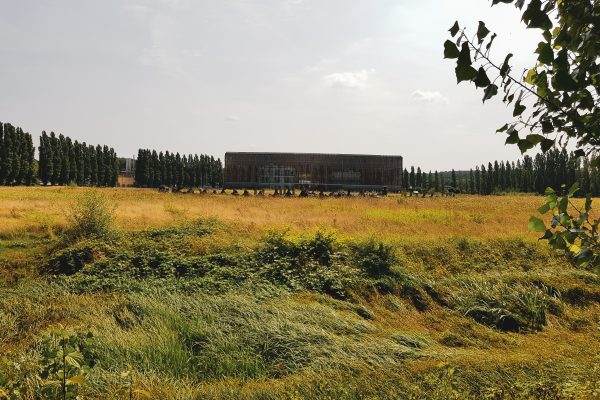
column 528, row 175
column 64, row 161
column 376, row 259
column 64, row 362
column 563, row 87
column 91, row 217
column 577, row 235
column 562, row 92
column 17, row 164
column 73, row 258
column 154, row 169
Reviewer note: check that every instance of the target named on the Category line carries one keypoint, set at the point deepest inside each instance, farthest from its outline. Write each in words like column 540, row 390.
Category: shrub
column 73, row 258
column 91, row 217
column 376, row 258
column 319, row 248
column 276, row 247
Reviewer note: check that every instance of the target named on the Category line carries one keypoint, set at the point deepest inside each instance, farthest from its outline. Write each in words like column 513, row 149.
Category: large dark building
column 314, row 171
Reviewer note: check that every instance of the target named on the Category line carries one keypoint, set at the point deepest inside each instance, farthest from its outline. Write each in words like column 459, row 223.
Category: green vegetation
column 152, row 314
column 154, row 169
column 562, row 93
column 17, row 165
column 64, row 162
column 528, row 175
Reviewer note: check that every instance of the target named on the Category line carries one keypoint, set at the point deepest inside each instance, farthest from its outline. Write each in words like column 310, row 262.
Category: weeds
column 60, row 372
column 91, row 217
column 504, row 306
column 376, row 259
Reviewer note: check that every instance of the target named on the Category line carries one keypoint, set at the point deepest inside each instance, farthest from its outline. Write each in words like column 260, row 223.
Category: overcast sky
column 200, row 76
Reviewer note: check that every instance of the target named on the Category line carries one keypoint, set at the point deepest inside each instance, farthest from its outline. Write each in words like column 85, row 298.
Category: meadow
column 183, row 296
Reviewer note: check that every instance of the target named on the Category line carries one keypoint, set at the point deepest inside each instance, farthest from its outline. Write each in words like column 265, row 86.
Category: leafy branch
column 565, row 83
column 562, row 92
column 575, row 234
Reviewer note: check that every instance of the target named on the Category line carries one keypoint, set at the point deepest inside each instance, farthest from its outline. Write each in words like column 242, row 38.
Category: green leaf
column 464, row 57
column 534, row 139
column 503, row 129
column 482, row 32
column 490, row 92
column 546, row 54
column 563, row 81
column 552, row 200
column 513, row 138
column 519, row 109
column 454, row 30
column 588, row 202
column 536, row 225
column 450, row 49
column 563, row 204
column 465, row 73
column 574, row 188
column 76, row 380
column 547, row 126
column 544, row 209
column 530, row 78
column 547, row 144
column 524, row 145
column 489, row 45
column 505, row 69
column 482, row 79
column 534, row 17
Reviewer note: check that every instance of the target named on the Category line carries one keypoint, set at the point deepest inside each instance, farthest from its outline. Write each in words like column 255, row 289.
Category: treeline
column 529, row 175
column 17, row 163
column 63, row 161
column 154, row 169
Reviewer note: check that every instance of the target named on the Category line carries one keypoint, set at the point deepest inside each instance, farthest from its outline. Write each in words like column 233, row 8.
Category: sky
column 210, row 76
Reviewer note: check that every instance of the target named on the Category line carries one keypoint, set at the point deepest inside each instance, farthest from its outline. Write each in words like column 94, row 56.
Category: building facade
column 312, row 171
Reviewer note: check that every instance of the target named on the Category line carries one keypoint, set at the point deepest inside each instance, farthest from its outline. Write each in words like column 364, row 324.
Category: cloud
column 423, row 96
column 232, row 118
column 348, row 80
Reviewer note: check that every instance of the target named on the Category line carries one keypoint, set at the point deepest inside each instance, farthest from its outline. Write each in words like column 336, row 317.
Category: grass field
column 271, row 298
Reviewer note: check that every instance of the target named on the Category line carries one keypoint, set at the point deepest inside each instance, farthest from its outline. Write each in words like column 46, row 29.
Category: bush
column 376, row 258
column 90, row 218
column 319, row 248
column 73, row 258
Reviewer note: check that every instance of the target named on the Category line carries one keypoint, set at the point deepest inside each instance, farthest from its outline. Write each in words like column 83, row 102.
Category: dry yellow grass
column 394, row 217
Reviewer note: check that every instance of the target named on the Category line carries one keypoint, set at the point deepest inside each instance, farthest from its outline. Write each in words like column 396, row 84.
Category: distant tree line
column 17, row 163
column 63, row 161
column 154, row 169
column 529, row 175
